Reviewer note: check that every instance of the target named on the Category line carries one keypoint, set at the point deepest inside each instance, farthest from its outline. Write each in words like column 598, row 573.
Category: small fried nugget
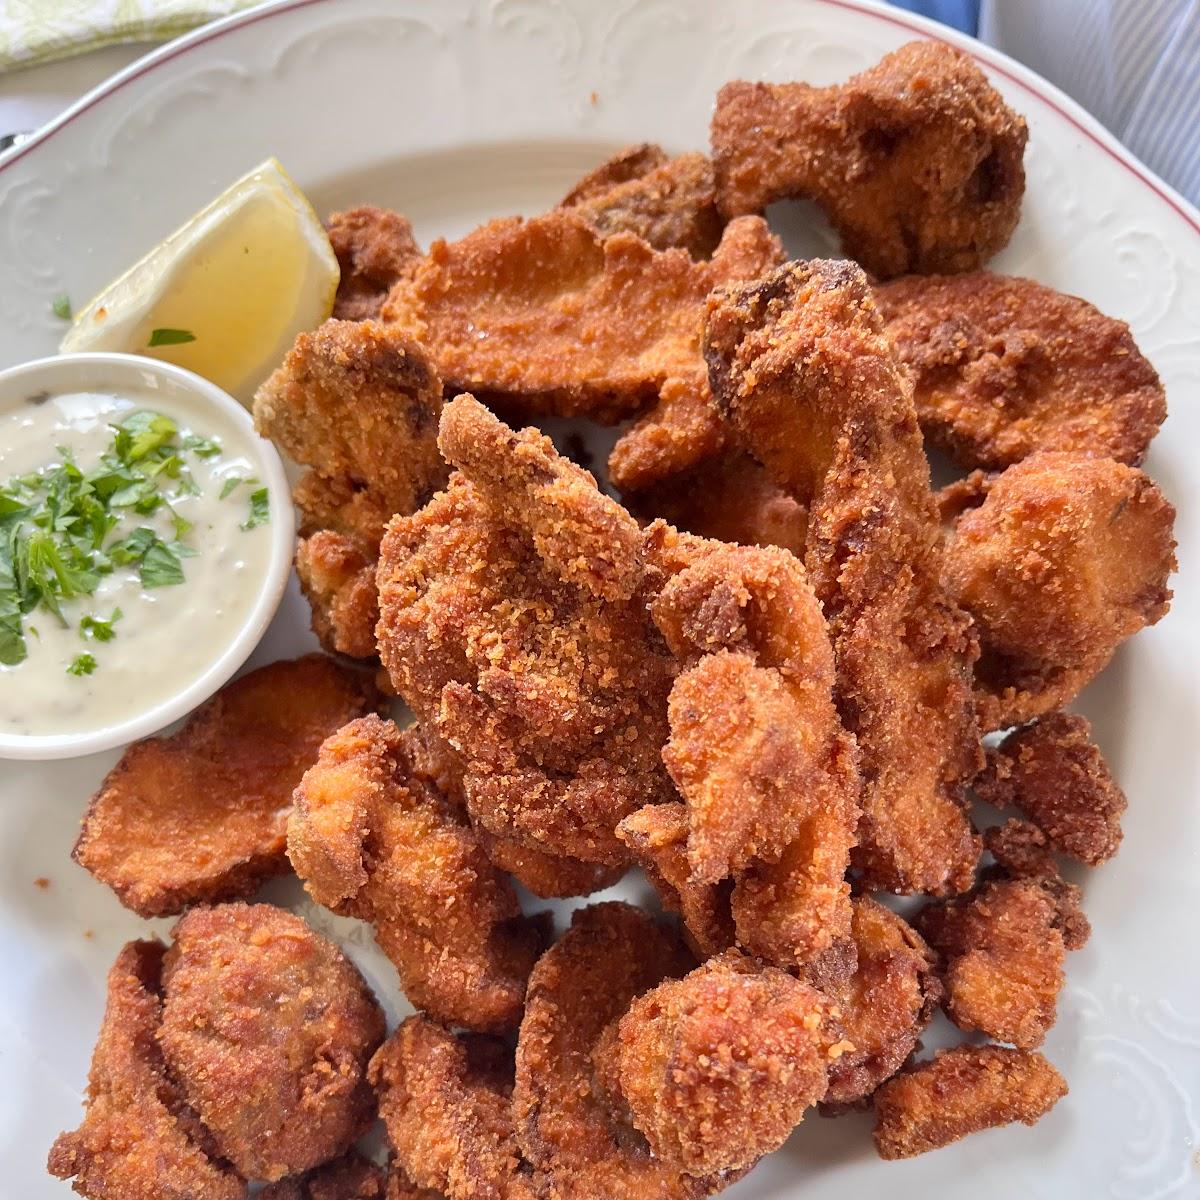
column 337, row 577
column 548, row 316
column 719, row 1067
column 1067, row 557
column 358, row 405
column 445, row 1103
column 374, row 249
column 917, row 162
column 546, row 875
column 1003, row 366
column 372, row 839
column 350, row 1177
column 268, row 1029
column 1054, row 773
column 139, row 1140
column 611, row 954
column 1003, row 951
column 888, row 1003
column 201, row 815
column 668, row 202
column 960, row 1091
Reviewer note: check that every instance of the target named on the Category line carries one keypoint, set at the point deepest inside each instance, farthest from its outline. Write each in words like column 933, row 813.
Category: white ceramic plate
column 461, row 110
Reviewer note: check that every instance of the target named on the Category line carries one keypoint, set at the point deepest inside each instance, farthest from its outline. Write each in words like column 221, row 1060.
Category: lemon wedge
column 226, row 294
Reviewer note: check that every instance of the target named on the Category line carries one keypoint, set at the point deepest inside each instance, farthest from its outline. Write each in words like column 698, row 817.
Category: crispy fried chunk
column 350, row 1177
column 374, row 249
column 337, row 576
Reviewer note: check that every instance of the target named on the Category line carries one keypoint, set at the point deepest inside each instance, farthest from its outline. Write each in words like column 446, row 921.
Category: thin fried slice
column 371, row 839
column 138, row 1140
column 800, row 365
column 552, row 317
column 917, row 161
column 1003, row 366
column 374, row 248
column 633, row 162
column 961, row 1091
column 201, row 815
column 337, row 576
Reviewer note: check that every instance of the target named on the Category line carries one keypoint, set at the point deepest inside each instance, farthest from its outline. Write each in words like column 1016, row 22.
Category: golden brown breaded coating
column 139, row 1140
column 1054, row 773
column 888, row 1003
column 201, row 814
column 586, row 980
column 374, row 249
column 1003, row 952
column 350, row 1177
column 668, row 202
column 554, row 318
column 337, row 576
column 371, row 839
column 358, row 405
column 400, row 1187
column 547, row 875
column 513, row 620
column 445, row 1103
column 268, row 1029
column 719, row 1067
column 961, row 1091
column 801, row 367
column 917, row 162
column 1067, row 557
column 1003, row 366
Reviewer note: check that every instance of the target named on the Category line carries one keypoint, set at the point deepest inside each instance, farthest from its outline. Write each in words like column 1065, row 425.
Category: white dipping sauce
column 167, row 636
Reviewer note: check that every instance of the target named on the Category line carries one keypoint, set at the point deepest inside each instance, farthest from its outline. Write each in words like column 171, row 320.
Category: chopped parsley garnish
column 260, row 509
column 234, row 481
column 82, row 664
column 57, row 528
column 62, row 307
column 170, row 337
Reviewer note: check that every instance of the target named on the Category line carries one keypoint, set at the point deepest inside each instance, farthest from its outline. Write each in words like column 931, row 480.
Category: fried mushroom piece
column 917, row 162
column 445, row 1103
column 371, row 839
column 1003, row 366
column 1003, row 950
column 513, row 621
column 201, row 815
column 337, row 577
column 888, row 1003
column 595, row 330
column 1053, row 772
column 1067, row 556
column 668, row 202
column 564, row 1123
column 960, row 1091
column 139, row 1140
column 374, row 248
column 350, row 1177
column 268, row 1029
column 719, row 1067
column 806, row 377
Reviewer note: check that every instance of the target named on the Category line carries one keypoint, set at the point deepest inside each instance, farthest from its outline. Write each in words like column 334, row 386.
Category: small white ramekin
column 82, row 372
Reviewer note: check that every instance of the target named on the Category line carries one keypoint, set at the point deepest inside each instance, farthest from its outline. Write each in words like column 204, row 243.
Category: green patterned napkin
column 37, row 31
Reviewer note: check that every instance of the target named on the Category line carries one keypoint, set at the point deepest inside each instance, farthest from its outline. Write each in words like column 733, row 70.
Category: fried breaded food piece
column 586, row 980
column 513, row 620
column 546, row 875
column 961, row 1091
column 551, row 317
column 337, row 576
column 917, row 162
column 268, row 1029
column 1067, row 557
column 1053, row 772
column 350, row 1177
column 1003, row 951
column 371, row 839
column 358, row 405
column 445, row 1102
column 888, row 1003
column 139, row 1140
column 668, row 202
column 729, row 498
column 719, row 1067
column 201, row 814
column 801, row 367
column 374, row 249
column 1003, row 366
